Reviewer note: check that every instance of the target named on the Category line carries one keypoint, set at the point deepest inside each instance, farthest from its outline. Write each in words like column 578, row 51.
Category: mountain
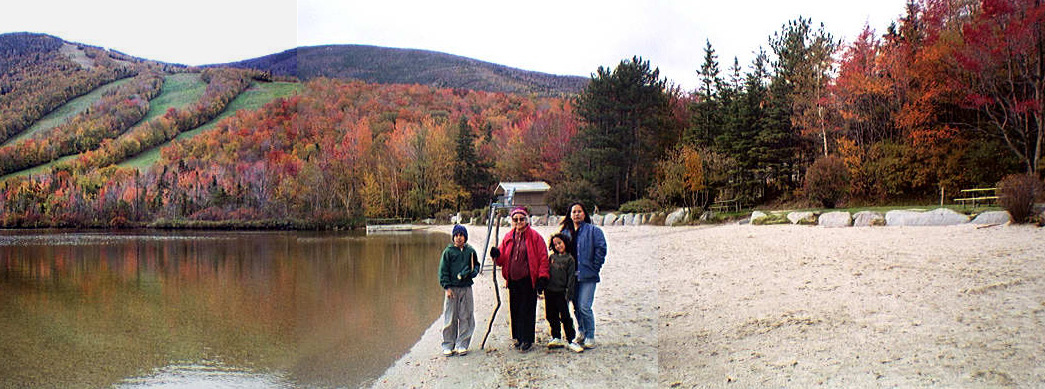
column 385, row 65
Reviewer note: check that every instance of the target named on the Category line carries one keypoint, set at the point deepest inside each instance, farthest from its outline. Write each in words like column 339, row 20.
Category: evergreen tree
column 707, row 112
column 470, row 172
column 627, row 126
column 741, row 138
column 800, row 74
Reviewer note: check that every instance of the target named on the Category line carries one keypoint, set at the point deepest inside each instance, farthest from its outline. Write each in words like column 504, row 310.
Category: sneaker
column 461, row 351
column 448, row 353
column 589, row 343
column 516, row 344
column 575, row 347
column 556, row 343
column 524, row 347
column 579, row 339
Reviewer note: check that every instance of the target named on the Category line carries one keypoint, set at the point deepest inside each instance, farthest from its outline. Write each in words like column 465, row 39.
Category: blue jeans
column 583, row 298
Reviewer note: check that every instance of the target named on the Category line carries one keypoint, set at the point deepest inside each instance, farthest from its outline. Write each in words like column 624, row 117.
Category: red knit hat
column 519, row 210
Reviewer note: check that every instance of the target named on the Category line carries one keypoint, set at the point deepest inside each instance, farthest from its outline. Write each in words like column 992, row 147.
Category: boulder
column 936, row 217
column 611, row 218
column 804, row 217
column 597, row 219
column 836, row 219
column 757, row 215
column 993, row 217
column 868, row 219
column 676, row 217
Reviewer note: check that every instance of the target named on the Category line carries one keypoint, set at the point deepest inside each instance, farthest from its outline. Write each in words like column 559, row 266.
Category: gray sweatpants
column 458, row 321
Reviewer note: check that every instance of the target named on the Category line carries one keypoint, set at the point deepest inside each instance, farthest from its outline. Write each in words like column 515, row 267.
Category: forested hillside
column 947, row 98
column 38, row 73
column 327, row 157
column 385, row 65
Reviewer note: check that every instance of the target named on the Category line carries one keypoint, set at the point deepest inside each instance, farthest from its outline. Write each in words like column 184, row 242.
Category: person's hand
column 495, row 252
column 449, row 293
column 541, row 284
column 466, row 273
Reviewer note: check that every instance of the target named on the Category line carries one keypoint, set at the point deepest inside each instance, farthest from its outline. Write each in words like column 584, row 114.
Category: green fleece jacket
column 563, row 272
column 458, row 266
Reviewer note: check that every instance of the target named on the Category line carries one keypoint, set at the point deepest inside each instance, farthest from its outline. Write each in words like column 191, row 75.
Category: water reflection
column 269, row 309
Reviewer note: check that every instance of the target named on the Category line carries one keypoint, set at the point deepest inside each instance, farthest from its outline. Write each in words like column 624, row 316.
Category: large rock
column 936, row 217
column 804, row 217
column 626, row 219
column 868, row 219
column 597, row 219
column 993, row 217
column 836, row 219
column 676, row 217
column 757, row 215
column 611, row 218
column 638, row 220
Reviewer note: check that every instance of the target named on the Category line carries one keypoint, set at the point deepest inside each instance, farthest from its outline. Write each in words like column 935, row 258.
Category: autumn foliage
column 948, row 97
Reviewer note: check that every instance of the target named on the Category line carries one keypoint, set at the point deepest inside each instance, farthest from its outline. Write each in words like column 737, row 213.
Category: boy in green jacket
column 457, row 267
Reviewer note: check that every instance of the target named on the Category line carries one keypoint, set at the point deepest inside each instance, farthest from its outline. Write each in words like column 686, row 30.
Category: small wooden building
column 531, row 195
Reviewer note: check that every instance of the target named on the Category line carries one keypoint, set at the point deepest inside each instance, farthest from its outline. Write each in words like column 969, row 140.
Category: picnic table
column 977, row 196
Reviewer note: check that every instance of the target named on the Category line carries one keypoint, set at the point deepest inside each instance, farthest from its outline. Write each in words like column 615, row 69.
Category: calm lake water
column 229, row 309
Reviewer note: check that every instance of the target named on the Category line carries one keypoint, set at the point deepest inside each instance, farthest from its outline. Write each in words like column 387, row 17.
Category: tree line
column 948, row 97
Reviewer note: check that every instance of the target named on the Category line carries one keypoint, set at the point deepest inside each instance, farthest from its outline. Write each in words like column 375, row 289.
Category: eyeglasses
column 518, row 219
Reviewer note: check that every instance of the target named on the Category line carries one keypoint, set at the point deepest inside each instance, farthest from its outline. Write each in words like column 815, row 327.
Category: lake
column 211, row 308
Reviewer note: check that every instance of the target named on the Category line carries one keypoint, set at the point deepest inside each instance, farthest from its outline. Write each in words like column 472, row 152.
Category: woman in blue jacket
column 588, row 245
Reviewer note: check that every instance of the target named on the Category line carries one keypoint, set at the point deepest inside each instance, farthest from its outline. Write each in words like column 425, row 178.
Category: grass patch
column 66, row 111
column 254, row 97
column 179, row 90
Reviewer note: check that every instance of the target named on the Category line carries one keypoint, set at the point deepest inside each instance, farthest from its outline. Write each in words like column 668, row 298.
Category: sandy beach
column 779, row 306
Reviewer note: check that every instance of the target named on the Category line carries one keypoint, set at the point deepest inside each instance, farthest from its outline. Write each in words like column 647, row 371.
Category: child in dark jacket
column 457, row 267
column 563, row 276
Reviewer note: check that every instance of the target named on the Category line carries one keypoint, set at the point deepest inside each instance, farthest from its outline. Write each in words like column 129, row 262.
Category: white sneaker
column 461, row 351
column 579, row 339
column 448, row 353
column 589, row 343
column 575, row 347
column 556, row 343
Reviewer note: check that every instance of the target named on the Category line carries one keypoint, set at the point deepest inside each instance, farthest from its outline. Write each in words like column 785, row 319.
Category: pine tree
column 707, row 110
column 470, row 172
column 626, row 113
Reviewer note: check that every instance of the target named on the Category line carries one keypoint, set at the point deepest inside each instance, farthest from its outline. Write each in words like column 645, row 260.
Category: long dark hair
column 564, row 238
column 567, row 225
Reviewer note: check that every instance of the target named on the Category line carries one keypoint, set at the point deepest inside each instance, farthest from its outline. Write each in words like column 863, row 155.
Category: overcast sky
column 553, row 36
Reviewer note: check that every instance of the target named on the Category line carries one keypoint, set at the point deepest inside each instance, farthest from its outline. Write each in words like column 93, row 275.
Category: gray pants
column 458, row 321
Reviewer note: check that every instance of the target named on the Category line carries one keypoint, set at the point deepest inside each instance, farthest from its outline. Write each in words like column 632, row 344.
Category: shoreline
column 781, row 305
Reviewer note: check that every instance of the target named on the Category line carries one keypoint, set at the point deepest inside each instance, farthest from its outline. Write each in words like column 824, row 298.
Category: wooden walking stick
column 493, row 273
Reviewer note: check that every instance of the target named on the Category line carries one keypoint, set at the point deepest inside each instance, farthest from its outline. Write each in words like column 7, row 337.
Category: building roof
column 522, row 187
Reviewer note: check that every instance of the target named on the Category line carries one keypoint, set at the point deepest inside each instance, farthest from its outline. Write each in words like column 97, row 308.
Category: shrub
column 1017, row 195
column 827, row 181
column 482, row 215
column 561, row 195
column 638, row 206
column 443, row 216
